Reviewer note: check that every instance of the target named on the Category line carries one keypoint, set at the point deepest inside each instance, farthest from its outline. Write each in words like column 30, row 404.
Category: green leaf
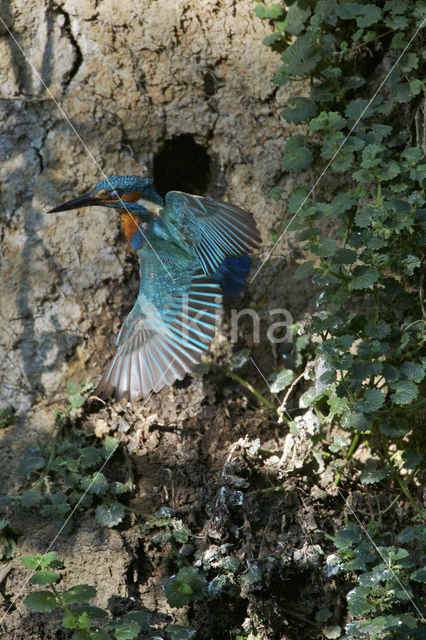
column 410, row 263
column 301, row 56
column 46, row 576
column 31, row 562
column 79, row 593
column 419, row 575
column 405, row 392
column 370, row 474
column 94, row 613
column 302, row 110
column 32, row 461
column 373, row 399
column 281, row 380
column 364, row 217
column 110, row 444
column 126, row 629
column 358, row 604
column 332, row 632
column 97, row 483
column 324, row 248
column 6, row 417
column 30, row 498
column 274, row 12
column 357, row 421
column 348, row 536
column 368, row 15
column 89, row 457
column 240, row 359
column 138, row 616
column 345, row 256
column 296, row 18
column 181, row 632
column 73, row 388
column 412, row 371
column 110, row 515
column 327, row 120
column 364, row 277
column 40, row 601
column 297, row 157
column 304, row 270
column 412, row 459
column 186, row 586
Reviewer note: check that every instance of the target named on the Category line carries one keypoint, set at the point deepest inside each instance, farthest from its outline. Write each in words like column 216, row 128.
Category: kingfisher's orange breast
column 129, row 226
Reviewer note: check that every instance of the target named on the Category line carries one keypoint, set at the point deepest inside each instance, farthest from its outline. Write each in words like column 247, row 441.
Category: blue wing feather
column 232, row 274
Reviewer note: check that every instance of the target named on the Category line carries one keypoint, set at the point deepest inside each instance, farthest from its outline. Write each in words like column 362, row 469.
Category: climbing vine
column 357, row 70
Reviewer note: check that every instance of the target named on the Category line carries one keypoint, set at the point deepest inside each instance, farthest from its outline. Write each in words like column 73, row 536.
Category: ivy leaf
column 412, row 371
column 364, row 277
column 296, row 18
column 180, row 632
column 419, row 575
column 304, row 270
column 126, row 629
column 137, row 616
column 324, row 248
column 186, row 586
column 356, row 107
column 364, row 217
column 274, row 12
column 110, row 515
column 405, row 392
column 348, row 536
column 303, row 109
column 327, row 120
column 410, row 263
column 373, row 399
column 110, row 444
column 368, row 15
column 301, row 56
column 40, row 601
column 371, row 474
column 32, row 461
column 358, row 421
column 378, row 330
column 345, row 256
column 297, row 156
column 97, row 483
column 79, row 593
column 281, row 380
column 30, row 498
column 358, row 604
column 412, row 459
column 46, row 576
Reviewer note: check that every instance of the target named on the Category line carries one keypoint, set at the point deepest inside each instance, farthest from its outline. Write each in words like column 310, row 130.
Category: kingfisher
column 191, row 249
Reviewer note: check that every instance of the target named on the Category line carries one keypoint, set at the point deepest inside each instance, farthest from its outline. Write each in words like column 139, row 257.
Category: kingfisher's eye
column 116, row 193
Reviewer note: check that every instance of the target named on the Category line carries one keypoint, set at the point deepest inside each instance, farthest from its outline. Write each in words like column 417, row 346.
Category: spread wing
column 167, row 331
column 210, row 230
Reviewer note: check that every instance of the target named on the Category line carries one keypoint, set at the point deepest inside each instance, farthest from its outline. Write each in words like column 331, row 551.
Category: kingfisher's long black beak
column 88, row 200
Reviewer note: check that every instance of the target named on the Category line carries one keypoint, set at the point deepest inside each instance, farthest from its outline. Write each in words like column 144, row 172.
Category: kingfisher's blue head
column 119, row 192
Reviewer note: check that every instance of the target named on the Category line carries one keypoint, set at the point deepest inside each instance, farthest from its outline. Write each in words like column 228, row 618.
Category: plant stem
column 400, row 480
column 250, row 387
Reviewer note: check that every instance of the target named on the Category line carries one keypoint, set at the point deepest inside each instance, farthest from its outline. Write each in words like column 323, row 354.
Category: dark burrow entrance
column 182, row 165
